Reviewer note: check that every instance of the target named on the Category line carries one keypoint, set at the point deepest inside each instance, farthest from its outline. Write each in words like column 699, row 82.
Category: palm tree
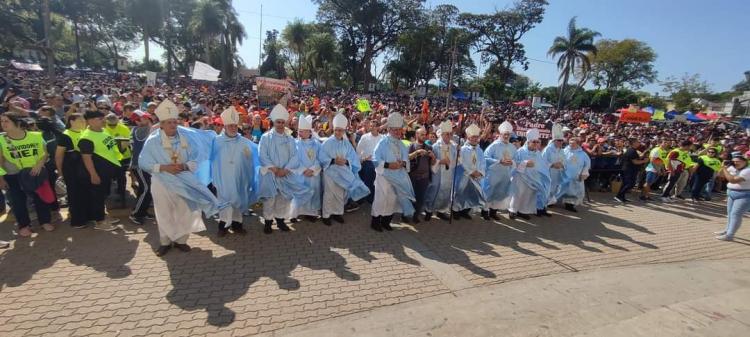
column 295, row 35
column 206, row 24
column 322, row 53
column 573, row 51
column 148, row 15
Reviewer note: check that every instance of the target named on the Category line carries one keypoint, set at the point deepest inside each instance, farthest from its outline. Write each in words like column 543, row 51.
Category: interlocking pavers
column 89, row 282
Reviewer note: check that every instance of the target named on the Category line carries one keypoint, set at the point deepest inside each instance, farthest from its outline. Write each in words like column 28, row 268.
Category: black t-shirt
column 102, row 166
column 627, row 160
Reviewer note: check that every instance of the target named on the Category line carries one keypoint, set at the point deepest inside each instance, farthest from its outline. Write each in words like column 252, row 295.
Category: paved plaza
column 88, row 282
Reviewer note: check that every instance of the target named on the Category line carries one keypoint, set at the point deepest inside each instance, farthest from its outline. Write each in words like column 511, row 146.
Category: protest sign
column 635, row 117
column 271, row 90
column 522, row 128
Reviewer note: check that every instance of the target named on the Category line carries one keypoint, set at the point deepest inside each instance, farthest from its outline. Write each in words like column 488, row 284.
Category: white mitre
column 167, row 110
column 230, row 116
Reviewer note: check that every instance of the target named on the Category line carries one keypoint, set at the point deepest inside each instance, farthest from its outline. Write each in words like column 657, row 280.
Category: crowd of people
column 194, row 150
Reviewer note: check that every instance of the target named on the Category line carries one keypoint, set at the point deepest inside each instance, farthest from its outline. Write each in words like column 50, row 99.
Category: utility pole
column 260, row 42
column 450, row 74
column 47, row 43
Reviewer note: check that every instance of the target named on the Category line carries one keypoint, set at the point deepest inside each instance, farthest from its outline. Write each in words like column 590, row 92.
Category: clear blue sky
column 695, row 36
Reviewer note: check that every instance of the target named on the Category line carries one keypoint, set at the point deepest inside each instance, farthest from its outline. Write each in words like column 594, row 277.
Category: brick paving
column 86, row 282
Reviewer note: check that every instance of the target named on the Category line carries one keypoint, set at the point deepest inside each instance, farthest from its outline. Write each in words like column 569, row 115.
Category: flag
column 363, row 105
column 150, row 78
column 658, row 115
column 202, row 71
column 425, row 110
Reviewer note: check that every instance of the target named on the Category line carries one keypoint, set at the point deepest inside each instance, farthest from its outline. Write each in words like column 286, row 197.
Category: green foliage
column 574, row 52
column 745, row 84
column 619, row 63
column 273, row 65
column 426, row 52
column 366, row 29
column 497, row 36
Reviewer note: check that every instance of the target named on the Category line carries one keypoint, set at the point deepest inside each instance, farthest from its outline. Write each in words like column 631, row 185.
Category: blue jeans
column 738, row 203
column 709, row 187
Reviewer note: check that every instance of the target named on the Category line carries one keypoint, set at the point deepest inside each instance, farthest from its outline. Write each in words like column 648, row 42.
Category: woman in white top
column 738, row 194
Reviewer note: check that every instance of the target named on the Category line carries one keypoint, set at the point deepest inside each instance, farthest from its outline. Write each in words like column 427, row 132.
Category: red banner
column 635, row 117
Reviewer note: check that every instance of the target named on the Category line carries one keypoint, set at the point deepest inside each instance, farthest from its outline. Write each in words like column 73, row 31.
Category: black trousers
column 77, row 193
column 98, row 197
column 367, row 174
column 143, row 193
column 420, row 189
column 628, row 182
column 698, row 183
column 673, row 178
column 18, row 199
column 121, row 177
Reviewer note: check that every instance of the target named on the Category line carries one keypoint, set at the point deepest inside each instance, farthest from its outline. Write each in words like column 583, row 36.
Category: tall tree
column 690, row 83
column 295, row 35
column 323, row 56
column 573, row 52
column 618, row 63
column 273, row 65
column 498, row 36
column 149, row 17
column 367, row 28
column 745, row 84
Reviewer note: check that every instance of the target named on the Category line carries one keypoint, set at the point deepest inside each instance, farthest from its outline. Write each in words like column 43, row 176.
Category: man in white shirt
column 365, row 149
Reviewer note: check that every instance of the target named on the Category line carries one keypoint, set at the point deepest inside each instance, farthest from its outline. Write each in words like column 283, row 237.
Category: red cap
column 218, row 121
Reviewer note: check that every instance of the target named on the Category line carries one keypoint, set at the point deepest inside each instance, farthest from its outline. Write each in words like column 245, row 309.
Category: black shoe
column 415, row 219
column 524, row 216
column 310, row 218
column 571, row 207
column 427, row 216
column 443, row 216
column 338, row 218
column 138, row 220
column 465, row 214
column 486, row 215
column 385, row 222
column 680, row 197
column 375, row 224
column 222, row 231
column 543, row 212
column 267, row 228
column 163, row 250
column 282, row 226
column 182, row 246
column 149, row 217
column 327, row 221
column 493, row 214
column 294, row 220
column 351, row 207
column 512, row 215
column 237, row 228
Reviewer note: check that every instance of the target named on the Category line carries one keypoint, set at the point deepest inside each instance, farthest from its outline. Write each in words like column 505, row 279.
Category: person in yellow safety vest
column 714, row 143
column 23, row 157
column 707, row 167
column 69, row 167
column 677, row 165
column 115, row 128
column 101, row 159
column 655, row 168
